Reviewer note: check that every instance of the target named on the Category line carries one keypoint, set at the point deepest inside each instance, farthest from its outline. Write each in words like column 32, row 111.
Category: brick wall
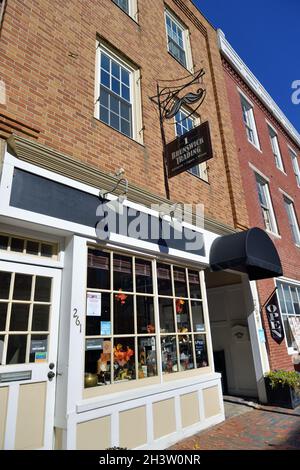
column 264, row 161
column 47, row 61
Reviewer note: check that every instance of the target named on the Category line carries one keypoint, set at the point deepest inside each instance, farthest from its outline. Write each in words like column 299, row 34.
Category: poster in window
column 294, row 323
column 93, row 304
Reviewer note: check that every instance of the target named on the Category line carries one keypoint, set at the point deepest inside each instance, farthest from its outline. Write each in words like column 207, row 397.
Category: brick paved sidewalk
column 251, row 430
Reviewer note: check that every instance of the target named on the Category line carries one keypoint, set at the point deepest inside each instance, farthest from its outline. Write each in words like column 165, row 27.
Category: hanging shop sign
column 188, row 150
column 274, row 319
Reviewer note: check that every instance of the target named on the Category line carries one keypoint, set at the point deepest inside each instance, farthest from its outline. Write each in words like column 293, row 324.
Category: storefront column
column 259, row 351
column 71, row 341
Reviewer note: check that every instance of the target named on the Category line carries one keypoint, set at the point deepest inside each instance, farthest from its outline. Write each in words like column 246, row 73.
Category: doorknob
column 50, row 375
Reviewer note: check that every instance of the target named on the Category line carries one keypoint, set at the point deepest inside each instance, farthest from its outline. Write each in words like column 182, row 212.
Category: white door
column 29, row 311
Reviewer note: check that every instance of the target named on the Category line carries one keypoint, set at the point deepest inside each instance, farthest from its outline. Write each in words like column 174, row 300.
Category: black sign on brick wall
column 274, row 319
column 189, row 150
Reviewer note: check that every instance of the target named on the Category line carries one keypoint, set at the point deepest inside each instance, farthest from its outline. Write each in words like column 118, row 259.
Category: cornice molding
column 245, row 73
column 52, row 160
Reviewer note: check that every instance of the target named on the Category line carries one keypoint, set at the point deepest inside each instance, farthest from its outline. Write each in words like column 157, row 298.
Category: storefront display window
column 129, row 311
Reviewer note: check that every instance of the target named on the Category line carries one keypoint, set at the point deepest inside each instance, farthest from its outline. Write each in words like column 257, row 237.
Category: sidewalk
column 249, row 427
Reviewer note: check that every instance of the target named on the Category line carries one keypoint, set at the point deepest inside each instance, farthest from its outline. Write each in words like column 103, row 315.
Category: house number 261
column 76, row 317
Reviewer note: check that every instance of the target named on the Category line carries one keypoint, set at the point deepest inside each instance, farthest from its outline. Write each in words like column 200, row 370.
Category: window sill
column 255, row 146
column 178, row 61
column 118, row 132
column 274, row 234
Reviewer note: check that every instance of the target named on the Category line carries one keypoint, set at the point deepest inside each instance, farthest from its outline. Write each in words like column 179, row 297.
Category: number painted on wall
column 76, row 318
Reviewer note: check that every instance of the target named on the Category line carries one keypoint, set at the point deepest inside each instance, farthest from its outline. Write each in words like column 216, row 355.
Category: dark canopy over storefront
column 251, row 252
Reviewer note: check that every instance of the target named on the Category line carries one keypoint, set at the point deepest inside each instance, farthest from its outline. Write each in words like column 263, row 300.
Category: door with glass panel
column 29, row 306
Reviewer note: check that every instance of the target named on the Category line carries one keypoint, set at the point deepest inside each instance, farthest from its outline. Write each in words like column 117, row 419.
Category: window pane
column 125, row 111
column 288, row 333
column 114, row 121
column 288, row 299
column 40, row 318
column 180, row 282
column 105, row 61
column 46, row 250
column 164, row 279
column 123, row 279
column 281, row 298
column 182, row 316
column 124, row 359
column 32, row 248
column 3, row 242
column 145, row 314
column 126, row 92
column 100, row 325
column 186, row 352
column 104, row 95
column 143, row 273
column 114, row 104
column 38, row 348
column 115, row 70
column 19, row 317
column 194, row 284
column 3, row 313
column 4, row 284
column 123, row 314
column 197, row 316
column 104, row 115
column 16, row 350
column 17, row 245
column 22, row 287
column 105, row 79
column 125, row 77
column 169, row 354
column 295, row 300
column 125, row 128
column 42, row 289
column 201, row 351
column 115, row 86
column 147, row 357
column 98, row 269
column 97, row 362
column 166, row 315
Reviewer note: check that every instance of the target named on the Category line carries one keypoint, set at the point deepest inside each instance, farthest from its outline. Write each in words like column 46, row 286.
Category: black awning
column 251, row 252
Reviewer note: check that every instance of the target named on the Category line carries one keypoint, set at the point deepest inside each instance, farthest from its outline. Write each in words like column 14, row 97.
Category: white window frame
column 275, row 147
column 294, row 158
column 293, row 221
column 132, row 9
column 135, row 89
column 250, row 125
column 290, row 283
column 267, row 211
column 202, row 167
column 186, row 41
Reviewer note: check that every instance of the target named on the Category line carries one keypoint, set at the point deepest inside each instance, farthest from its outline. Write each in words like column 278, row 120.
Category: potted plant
column 283, row 388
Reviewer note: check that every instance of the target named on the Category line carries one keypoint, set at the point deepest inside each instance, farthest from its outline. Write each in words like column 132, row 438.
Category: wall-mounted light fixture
column 116, row 204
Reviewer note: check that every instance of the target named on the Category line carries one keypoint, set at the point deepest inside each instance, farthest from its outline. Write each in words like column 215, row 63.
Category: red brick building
column 268, row 151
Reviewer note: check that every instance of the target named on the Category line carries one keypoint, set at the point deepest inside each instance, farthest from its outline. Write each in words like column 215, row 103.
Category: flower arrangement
column 121, row 297
column 122, row 356
column 179, row 305
column 284, row 377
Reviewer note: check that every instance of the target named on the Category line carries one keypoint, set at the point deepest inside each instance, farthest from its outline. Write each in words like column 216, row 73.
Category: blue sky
column 266, row 35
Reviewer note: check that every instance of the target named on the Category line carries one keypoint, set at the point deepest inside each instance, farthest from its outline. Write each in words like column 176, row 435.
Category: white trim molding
column 245, row 73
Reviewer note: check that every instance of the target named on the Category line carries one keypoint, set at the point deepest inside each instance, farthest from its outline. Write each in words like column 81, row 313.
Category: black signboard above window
column 188, row 150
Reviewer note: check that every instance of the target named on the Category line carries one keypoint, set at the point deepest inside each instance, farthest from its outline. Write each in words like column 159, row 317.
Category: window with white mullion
column 288, row 294
column 289, row 206
column 266, row 205
column 295, row 166
column 249, row 121
column 176, row 39
column 276, row 149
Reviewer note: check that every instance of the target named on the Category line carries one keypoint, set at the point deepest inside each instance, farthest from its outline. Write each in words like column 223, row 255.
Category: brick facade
column 47, row 57
column 264, row 161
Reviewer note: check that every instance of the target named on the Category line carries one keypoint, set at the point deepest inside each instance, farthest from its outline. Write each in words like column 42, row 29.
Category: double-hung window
column 275, row 148
column 183, row 124
column 118, row 93
column 249, row 121
column 266, row 204
column 178, row 40
column 289, row 301
column 289, row 207
column 295, row 166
